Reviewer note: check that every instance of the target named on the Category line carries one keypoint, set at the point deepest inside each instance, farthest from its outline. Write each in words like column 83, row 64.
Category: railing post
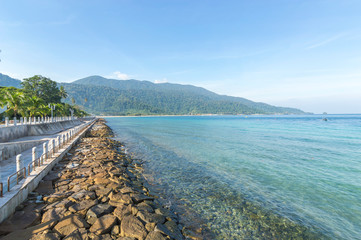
column 33, row 154
column 58, row 142
column 53, row 145
column 45, row 150
column 21, row 120
column 15, row 121
column 19, row 162
column 6, row 121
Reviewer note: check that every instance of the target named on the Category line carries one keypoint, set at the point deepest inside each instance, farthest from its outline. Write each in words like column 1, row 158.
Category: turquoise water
column 256, row 177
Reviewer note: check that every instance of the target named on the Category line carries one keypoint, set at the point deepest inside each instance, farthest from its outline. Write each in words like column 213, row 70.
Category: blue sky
column 296, row 53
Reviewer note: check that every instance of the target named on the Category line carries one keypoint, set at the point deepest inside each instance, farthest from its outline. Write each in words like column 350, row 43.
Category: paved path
column 8, row 166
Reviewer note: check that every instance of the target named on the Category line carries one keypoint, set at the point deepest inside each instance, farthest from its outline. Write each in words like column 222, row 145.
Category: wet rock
column 173, row 227
column 155, row 236
column 103, row 224
column 132, row 227
column 69, row 224
column 99, row 210
column 164, row 230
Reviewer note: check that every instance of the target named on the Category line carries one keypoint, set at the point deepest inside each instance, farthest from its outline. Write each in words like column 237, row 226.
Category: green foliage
column 43, row 88
column 19, row 102
column 132, row 97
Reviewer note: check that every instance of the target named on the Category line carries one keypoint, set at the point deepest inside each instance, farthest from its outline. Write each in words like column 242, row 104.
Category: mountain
column 6, row 81
column 100, row 95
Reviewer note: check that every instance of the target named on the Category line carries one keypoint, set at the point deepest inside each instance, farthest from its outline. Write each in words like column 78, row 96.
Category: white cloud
column 164, row 80
column 119, row 75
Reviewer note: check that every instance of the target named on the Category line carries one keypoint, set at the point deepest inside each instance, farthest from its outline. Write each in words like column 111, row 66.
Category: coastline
column 95, row 192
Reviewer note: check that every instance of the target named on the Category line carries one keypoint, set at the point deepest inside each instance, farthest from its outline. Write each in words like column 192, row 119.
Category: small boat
column 325, row 119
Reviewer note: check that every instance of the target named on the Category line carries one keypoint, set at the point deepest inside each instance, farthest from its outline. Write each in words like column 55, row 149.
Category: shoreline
column 95, row 192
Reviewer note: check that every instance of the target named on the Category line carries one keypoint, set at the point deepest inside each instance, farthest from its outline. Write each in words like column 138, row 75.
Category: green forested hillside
column 99, row 95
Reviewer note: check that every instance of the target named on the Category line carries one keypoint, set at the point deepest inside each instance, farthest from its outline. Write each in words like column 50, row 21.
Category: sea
column 253, row 177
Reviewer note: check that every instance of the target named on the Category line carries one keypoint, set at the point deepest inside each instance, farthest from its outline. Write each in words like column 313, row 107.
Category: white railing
column 35, row 120
column 50, row 148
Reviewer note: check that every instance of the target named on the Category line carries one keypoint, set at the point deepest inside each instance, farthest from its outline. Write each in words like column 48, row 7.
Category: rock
column 126, row 190
column 122, row 211
column 126, row 238
column 65, row 203
column 26, row 233
column 46, row 236
column 45, row 188
column 103, row 192
column 145, row 207
column 80, row 233
column 132, row 227
column 69, row 224
column 55, row 213
column 167, row 213
column 155, row 236
column 82, row 194
column 103, row 224
column 102, row 181
column 163, row 229
column 56, row 197
column 137, row 198
column 116, row 230
column 173, row 227
column 120, row 198
column 102, row 237
column 99, row 210
column 150, row 226
column 83, row 205
column 151, row 217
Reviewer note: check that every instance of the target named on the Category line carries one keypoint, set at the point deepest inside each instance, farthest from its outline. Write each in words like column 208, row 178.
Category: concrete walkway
column 8, row 166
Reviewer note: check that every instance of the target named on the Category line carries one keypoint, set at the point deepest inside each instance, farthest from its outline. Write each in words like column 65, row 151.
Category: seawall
column 19, row 131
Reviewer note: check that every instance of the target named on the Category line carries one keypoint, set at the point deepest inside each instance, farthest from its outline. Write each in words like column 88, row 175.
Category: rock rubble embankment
column 93, row 193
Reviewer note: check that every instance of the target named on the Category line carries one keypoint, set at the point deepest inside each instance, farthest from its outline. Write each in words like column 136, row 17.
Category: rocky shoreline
column 94, row 192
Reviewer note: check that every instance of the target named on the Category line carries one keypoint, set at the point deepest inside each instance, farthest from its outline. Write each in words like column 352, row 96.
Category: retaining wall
column 14, row 132
column 18, row 194
column 7, row 150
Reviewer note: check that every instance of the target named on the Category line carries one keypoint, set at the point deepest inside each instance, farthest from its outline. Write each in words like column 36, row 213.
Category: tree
column 43, row 88
column 73, row 100
column 13, row 99
column 63, row 93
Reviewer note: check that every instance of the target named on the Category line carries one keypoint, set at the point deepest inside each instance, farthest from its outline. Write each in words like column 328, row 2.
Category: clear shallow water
column 256, row 176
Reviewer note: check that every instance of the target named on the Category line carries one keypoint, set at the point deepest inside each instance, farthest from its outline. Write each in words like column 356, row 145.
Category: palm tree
column 13, row 99
column 62, row 92
column 34, row 106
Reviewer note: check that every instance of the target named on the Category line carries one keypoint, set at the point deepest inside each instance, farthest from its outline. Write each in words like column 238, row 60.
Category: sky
column 293, row 53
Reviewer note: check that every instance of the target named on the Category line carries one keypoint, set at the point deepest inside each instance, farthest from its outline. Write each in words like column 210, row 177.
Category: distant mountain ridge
column 104, row 96
column 6, row 81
